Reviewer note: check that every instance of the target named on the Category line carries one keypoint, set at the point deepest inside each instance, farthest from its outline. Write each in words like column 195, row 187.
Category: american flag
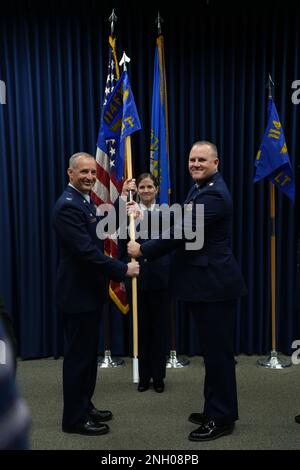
column 107, row 187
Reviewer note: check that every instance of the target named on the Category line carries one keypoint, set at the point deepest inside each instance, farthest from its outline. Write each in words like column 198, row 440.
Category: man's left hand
column 134, row 249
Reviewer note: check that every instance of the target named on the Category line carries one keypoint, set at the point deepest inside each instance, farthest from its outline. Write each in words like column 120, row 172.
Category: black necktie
column 90, row 204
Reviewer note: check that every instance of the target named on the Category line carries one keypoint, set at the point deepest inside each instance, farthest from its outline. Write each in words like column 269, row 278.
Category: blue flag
column 119, row 120
column 159, row 148
column 272, row 160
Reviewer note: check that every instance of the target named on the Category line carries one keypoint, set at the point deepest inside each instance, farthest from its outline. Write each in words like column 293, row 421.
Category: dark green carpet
column 268, row 402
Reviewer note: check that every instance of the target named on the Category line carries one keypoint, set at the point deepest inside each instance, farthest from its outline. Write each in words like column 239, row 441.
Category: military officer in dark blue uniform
column 82, row 282
column 210, row 280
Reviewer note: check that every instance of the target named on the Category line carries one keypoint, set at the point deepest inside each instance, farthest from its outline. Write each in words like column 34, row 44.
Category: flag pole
column 128, row 160
column 157, row 153
column 134, row 279
column 273, row 361
column 107, row 361
column 273, row 263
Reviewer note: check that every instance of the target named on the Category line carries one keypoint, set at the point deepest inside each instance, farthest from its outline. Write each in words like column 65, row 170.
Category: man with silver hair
column 82, row 285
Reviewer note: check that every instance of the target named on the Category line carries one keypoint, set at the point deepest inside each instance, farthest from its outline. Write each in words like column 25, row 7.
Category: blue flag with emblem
column 119, row 120
column 272, row 160
column 159, row 147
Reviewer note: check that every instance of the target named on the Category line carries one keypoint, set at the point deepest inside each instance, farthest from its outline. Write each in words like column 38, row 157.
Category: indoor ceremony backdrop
column 53, row 60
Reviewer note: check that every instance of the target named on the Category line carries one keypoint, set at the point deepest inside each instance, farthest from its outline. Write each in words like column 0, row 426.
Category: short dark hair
column 147, row 175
